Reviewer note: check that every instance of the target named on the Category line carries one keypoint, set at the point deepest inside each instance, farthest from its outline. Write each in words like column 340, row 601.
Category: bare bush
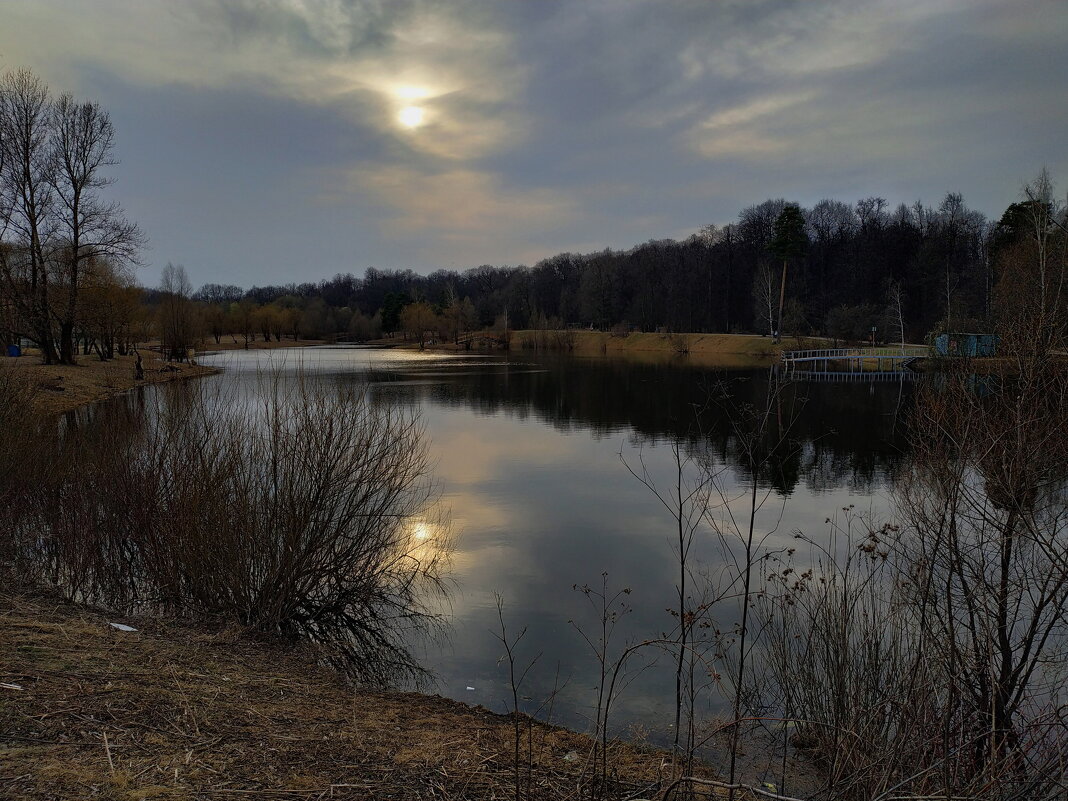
column 850, row 675
column 18, row 430
column 929, row 660
column 311, row 513
column 986, row 544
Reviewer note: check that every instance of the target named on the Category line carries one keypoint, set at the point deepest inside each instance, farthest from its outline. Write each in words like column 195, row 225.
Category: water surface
column 529, row 451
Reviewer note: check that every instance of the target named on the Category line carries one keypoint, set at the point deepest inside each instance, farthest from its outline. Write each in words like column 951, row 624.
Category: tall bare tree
column 764, row 296
column 91, row 229
column 177, row 315
column 26, row 201
column 53, row 222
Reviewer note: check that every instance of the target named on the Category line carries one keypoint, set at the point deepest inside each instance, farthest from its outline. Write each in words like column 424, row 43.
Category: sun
column 411, row 116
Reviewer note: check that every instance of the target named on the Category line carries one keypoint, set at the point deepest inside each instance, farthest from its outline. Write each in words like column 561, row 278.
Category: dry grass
column 179, row 713
column 714, row 350
column 61, row 388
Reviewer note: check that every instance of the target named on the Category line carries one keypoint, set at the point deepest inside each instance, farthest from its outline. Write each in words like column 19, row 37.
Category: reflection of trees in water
column 301, row 511
column 848, row 432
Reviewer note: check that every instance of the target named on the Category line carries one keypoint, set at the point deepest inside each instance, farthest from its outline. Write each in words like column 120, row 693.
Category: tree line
column 907, row 272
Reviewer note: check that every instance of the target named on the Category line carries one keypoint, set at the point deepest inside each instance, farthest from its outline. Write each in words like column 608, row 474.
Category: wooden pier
column 854, row 360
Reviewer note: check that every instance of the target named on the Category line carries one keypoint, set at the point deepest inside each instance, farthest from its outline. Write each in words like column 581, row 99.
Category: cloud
column 799, row 41
column 739, row 130
column 365, row 59
column 753, row 110
column 458, row 210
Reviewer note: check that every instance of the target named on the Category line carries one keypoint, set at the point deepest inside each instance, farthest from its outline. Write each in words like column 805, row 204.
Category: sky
column 277, row 141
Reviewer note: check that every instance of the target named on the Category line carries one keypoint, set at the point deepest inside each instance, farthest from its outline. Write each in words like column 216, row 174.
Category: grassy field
column 174, row 712
column 721, row 350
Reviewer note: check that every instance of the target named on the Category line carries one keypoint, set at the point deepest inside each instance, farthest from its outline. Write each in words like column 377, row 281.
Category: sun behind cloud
column 411, row 116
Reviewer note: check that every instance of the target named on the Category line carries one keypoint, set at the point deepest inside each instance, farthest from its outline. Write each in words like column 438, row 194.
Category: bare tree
column 82, row 137
column 52, row 221
column 927, row 659
column 987, row 560
column 764, row 292
column 1033, row 290
column 896, row 310
column 418, row 319
column 26, row 201
column 177, row 316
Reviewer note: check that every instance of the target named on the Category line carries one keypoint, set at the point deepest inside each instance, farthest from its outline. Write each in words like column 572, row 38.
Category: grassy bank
column 61, row 388
column 725, row 350
column 176, row 712
column 714, row 350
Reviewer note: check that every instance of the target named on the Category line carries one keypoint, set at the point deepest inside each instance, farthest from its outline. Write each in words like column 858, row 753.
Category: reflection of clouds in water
column 533, row 527
column 325, row 358
column 537, row 529
column 473, row 456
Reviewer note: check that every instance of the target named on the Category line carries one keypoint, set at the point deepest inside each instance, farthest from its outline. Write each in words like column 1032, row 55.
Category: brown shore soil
column 171, row 711
column 61, row 388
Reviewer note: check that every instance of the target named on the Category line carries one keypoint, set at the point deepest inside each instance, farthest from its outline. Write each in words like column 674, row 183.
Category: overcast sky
column 268, row 141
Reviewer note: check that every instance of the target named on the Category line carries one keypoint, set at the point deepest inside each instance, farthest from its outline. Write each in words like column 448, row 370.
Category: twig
column 107, row 750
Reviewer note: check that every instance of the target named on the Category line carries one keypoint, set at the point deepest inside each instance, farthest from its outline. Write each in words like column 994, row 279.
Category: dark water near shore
column 529, row 453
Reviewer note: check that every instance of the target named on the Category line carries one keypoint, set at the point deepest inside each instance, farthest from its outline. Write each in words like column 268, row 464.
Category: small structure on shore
column 951, row 345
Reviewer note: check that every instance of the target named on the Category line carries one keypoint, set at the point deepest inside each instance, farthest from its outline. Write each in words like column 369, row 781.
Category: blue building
column 965, row 345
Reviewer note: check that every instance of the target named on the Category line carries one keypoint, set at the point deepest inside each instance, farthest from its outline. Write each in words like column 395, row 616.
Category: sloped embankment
column 170, row 711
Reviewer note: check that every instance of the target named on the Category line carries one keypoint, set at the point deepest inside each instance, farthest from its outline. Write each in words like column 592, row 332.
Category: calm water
column 528, row 451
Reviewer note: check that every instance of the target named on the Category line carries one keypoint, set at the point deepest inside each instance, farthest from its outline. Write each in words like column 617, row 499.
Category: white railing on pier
column 854, row 376
column 894, row 357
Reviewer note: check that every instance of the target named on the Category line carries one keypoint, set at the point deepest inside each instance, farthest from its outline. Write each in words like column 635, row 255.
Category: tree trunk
column 782, row 298
column 67, row 351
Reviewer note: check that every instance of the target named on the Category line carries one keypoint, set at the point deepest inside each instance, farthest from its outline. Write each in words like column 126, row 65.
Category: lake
column 531, row 453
